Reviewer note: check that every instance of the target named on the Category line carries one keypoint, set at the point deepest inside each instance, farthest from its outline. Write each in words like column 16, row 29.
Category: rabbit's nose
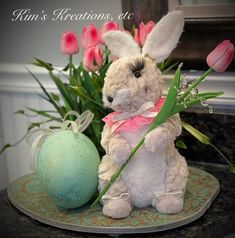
column 110, row 99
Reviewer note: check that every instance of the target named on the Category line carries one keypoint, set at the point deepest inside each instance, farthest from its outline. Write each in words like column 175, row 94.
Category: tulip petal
column 92, row 58
column 94, row 35
column 144, row 30
column 142, row 33
column 220, row 58
column 84, row 37
column 90, row 36
column 136, row 36
column 98, row 56
column 149, row 26
column 69, row 43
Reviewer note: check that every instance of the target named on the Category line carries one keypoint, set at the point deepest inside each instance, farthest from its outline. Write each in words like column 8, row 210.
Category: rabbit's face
column 130, row 82
column 134, row 79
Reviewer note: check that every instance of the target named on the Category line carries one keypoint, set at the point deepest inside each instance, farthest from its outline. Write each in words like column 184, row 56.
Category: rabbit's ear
column 121, row 44
column 164, row 37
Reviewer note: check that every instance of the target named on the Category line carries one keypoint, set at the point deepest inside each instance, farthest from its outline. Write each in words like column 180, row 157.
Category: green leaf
column 23, row 112
column 55, row 97
column 232, row 168
column 196, row 133
column 165, row 70
column 104, row 69
column 180, row 144
column 169, row 104
column 5, row 147
column 77, row 75
column 65, row 69
column 48, row 96
column 45, row 114
column 197, row 99
column 20, row 112
column 207, row 95
column 44, row 97
column 230, row 164
column 82, row 93
column 65, row 91
column 195, row 83
column 96, row 127
column 164, row 64
column 206, row 140
column 88, row 82
column 30, row 127
column 14, row 144
column 43, row 64
column 72, row 74
column 38, row 124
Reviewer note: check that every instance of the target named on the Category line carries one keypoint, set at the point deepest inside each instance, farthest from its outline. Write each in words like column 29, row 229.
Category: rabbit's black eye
column 137, row 74
column 136, row 67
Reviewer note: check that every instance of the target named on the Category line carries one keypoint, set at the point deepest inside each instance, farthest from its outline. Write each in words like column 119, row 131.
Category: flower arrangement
column 80, row 86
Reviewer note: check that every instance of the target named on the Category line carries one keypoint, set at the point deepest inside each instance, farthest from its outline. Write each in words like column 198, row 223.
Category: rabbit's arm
column 105, row 138
column 164, row 134
column 115, row 146
column 173, row 126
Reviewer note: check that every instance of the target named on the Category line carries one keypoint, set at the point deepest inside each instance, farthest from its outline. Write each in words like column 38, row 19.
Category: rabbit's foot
column 117, row 207
column 156, row 139
column 120, row 154
column 168, row 203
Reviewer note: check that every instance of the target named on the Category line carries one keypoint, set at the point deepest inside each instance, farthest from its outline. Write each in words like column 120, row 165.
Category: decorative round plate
column 26, row 195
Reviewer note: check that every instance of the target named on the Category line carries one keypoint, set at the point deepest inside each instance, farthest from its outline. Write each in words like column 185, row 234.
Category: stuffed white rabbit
column 157, row 174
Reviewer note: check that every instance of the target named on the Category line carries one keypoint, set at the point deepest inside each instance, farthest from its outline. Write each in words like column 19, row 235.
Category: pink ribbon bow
column 126, row 121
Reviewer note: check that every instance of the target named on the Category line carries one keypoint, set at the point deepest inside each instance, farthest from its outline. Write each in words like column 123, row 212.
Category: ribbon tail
column 84, row 120
column 36, row 144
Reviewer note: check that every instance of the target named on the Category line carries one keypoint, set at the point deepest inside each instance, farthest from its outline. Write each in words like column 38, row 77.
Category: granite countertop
column 218, row 221
column 219, row 127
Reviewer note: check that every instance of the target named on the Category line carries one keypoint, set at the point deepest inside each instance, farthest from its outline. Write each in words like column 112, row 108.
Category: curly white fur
column 157, row 175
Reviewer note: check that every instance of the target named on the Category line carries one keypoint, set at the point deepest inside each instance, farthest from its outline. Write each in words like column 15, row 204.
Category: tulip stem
column 70, row 66
column 71, row 118
column 72, row 80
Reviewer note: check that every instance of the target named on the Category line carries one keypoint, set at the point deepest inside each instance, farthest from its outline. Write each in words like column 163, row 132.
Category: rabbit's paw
column 168, row 203
column 117, row 207
column 120, row 154
column 156, row 139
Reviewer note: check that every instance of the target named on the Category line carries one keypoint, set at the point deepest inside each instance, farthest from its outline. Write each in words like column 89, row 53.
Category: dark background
column 199, row 38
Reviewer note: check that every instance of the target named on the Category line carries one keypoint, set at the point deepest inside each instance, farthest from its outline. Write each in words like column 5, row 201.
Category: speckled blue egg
column 67, row 166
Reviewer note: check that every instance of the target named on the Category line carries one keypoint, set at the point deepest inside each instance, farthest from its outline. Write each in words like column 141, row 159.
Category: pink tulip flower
column 92, row 58
column 144, row 30
column 90, row 36
column 136, row 36
column 108, row 26
column 220, row 58
column 69, row 43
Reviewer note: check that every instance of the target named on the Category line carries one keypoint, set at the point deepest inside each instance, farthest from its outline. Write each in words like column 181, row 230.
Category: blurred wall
column 20, row 41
